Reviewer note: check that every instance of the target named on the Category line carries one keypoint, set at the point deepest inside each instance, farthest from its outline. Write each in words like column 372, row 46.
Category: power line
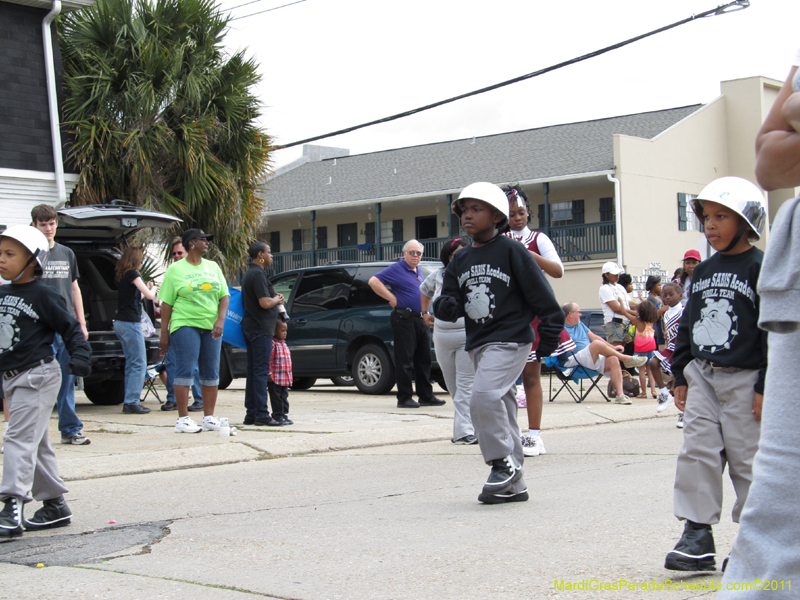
column 262, row 11
column 241, row 5
column 730, row 7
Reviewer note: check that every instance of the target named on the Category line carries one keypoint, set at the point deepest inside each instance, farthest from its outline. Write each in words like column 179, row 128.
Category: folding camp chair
column 568, row 375
column 150, row 382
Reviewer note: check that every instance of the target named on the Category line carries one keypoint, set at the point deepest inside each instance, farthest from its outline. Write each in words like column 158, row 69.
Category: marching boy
column 497, row 286
column 30, row 314
column 719, row 365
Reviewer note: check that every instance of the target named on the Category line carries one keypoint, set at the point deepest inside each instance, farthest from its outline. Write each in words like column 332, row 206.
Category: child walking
column 544, row 253
column 719, row 364
column 662, row 359
column 280, row 377
column 31, row 313
column 498, row 287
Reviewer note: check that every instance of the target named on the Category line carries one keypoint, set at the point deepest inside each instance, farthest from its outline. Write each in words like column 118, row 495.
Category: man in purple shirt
column 412, row 338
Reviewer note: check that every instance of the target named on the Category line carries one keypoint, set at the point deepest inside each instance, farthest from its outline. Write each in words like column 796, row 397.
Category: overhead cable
column 730, row 7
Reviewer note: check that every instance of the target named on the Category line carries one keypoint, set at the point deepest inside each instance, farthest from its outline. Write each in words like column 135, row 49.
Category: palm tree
column 160, row 116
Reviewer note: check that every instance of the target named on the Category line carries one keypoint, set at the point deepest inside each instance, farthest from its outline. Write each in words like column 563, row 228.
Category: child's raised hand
column 758, row 401
column 680, row 397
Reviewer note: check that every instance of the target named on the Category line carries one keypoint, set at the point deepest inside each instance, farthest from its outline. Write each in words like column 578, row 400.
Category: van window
column 322, row 290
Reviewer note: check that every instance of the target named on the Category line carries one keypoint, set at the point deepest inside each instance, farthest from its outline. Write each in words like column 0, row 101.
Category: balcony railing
column 589, row 241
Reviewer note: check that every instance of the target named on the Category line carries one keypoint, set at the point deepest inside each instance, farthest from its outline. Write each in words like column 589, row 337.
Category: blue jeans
column 169, row 365
column 195, row 346
column 259, row 350
column 132, row 338
column 68, row 422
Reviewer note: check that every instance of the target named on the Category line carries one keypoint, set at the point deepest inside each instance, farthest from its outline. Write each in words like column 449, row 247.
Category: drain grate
column 79, row 548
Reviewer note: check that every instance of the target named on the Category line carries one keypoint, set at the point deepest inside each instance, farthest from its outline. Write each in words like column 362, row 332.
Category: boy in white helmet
column 498, row 288
column 31, row 313
column 719, row 365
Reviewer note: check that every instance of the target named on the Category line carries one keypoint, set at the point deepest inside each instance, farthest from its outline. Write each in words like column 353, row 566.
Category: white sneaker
column 210, row 423
column 664, row 399
column 187, row 425
column 532, row 445
column 679, row 425
column 636, row 361
column 622, row 400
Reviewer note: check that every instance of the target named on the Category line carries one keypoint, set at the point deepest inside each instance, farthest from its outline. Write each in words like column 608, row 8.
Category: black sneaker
column 54, row 513
column 504, row 474
column 407, row 404
column 11, row 518
column 195, row 407
column 134, row 409
column 169, row 406
column 503, row 498
column 434, row 401
column 694, row 551
column 268, row 421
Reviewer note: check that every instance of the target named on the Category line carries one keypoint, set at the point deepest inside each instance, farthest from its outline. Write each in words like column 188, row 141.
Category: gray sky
column 329, row 64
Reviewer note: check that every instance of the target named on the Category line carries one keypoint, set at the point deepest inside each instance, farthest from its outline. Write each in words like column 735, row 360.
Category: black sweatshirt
column 30, row 314
column 499, row 289
column 720, row 321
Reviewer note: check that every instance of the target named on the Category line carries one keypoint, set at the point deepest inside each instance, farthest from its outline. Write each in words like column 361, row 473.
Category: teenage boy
column 31, row 313
column 61, row 273
column 719, row 365
column 497, row 286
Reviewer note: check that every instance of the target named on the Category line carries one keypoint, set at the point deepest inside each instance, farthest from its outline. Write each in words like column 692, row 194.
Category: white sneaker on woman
column 187, row 425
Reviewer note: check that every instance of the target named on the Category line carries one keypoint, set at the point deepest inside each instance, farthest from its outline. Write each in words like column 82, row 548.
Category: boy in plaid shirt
column 280, row 376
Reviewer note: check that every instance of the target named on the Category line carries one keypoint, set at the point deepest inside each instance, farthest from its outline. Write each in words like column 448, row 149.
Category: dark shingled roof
column 554, row 151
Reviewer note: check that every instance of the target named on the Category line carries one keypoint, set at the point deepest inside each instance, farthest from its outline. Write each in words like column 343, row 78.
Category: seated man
column 593, row 352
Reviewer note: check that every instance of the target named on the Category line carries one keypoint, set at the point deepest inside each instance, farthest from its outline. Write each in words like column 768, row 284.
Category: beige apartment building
column 609, row 189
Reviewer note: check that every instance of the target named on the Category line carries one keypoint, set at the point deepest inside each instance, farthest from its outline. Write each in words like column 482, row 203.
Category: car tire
column 343, row 380
column 303, row 383
column 225, row 377
column 108, row 392
column 373, row 370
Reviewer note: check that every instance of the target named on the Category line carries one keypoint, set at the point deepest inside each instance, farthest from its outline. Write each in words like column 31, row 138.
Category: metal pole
column 378, row 248
column 546, row 191
column 313, row 238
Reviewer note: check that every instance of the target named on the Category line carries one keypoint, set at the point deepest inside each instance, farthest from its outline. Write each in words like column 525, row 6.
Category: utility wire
column 263, row 11
column 735, row 5
column 241, row 5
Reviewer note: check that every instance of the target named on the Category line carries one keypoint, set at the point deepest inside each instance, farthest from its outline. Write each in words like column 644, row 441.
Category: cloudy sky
column 330, row 64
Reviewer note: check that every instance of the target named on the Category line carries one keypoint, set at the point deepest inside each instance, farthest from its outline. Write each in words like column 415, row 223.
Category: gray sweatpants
column 718, row 428
column 458, row 374
column 494, row 404
column 29, row 463
column 766, row 548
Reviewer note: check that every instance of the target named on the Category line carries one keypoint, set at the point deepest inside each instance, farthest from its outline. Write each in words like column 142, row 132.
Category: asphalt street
column 359, row 500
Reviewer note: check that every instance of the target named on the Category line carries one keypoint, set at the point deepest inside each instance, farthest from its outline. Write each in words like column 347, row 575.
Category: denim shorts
column 649, row 354
column 195, row 346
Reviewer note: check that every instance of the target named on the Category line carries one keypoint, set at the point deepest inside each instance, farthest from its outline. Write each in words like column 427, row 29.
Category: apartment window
column 275, row 241
column 426, row 228
column 347, row 234
column 301, row 239
column 687, row 220
column 322, row 237
column 392, row 231
column 369, row 233
column 607, row 209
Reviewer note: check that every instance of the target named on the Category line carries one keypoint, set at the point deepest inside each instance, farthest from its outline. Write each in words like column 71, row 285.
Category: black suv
column 338, row 328
column 94, row 233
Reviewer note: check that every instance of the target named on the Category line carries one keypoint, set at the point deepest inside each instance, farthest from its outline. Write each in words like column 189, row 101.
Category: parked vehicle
column 94, row 233
column 338, row 329
column 593, row 319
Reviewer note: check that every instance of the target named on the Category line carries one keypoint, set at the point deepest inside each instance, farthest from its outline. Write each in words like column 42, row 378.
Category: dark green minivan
column 338, row 327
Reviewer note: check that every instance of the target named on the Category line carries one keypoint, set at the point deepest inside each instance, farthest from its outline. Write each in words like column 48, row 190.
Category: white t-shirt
column 543, row 243
column 613, row 292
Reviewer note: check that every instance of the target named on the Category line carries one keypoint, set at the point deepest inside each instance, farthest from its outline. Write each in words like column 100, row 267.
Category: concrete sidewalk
column 326, row 418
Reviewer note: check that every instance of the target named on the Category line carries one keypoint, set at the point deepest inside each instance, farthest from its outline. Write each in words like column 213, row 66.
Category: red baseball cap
column 692, row 254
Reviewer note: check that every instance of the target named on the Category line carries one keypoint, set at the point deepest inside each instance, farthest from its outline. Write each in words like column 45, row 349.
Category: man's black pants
column 412, row 356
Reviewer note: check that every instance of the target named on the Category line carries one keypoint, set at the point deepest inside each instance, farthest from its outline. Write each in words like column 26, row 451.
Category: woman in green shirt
column 194, row 299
